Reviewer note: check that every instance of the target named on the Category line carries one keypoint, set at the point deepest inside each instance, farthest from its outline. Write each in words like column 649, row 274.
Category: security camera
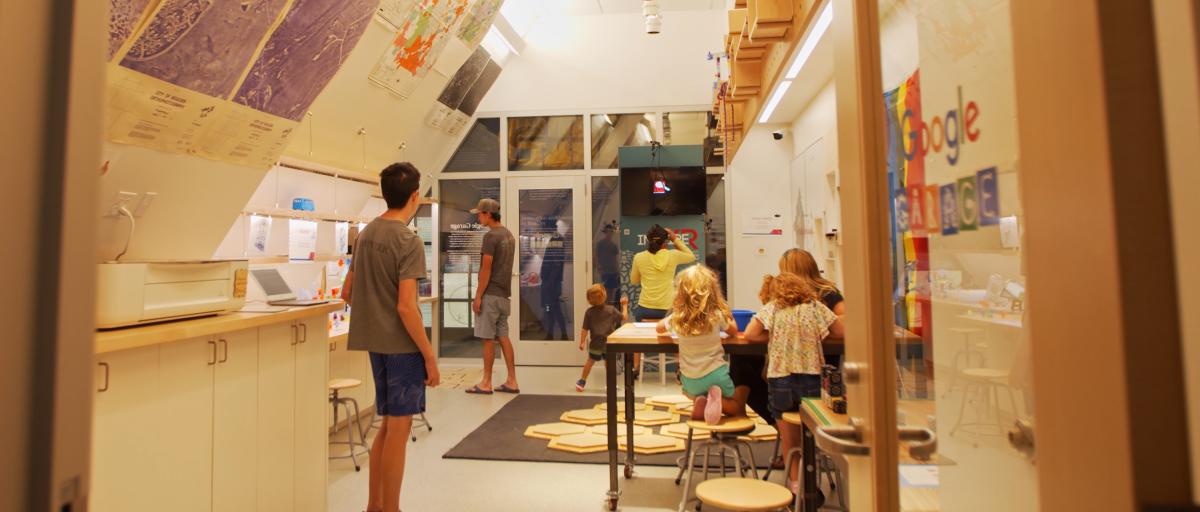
column 778, row 134
column 653, row 24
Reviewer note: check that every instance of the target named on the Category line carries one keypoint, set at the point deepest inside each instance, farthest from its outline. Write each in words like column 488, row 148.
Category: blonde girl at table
column 698, row 317
column 793, row 325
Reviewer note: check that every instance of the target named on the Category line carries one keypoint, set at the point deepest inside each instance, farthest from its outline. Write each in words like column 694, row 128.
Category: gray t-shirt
column 385, row 253
column 600, row 321
column 499, row 243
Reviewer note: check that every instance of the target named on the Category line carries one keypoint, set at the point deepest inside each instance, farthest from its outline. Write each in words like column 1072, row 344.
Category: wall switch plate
column 144, row 204
column 123, row 200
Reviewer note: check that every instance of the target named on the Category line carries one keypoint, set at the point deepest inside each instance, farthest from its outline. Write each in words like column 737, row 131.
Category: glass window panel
column 460, row 242
column 545, row 143
column 606, row 240
column 547, row 262
column 684, row 128
column 480, row 150
column 612, row 131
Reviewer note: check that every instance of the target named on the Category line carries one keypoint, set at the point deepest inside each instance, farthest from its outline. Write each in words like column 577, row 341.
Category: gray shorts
column 492, row 321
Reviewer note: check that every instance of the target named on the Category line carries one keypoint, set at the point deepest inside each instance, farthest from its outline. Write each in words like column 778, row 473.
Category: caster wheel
column 357, row 469
column 430, row 429
column 698, row 505
column 676, row 481
column 628, row 472
column 612, row 503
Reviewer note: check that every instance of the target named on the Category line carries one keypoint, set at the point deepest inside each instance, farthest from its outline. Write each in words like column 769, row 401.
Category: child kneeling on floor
column 697, row 318
column 599, row 321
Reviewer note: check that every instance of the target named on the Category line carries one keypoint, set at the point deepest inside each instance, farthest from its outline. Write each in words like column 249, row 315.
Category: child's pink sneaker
column 712, row 410
column 698, row 407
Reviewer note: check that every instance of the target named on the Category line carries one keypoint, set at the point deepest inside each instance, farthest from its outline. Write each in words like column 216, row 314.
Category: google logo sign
column 951, row 131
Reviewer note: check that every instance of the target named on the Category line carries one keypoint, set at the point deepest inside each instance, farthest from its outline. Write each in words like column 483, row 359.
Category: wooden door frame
column 1103, row 279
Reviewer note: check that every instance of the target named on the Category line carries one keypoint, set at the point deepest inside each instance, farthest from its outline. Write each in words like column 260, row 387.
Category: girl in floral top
column 793, row 325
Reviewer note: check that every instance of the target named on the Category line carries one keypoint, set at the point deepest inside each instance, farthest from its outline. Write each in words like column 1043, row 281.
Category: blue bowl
column 742, row 318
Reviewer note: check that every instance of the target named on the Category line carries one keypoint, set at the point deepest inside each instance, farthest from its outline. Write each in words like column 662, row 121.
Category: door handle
column 304, row 331
column 333, row 347
column 213, row 361
column 923, row 442
column 848, row 440
column 295, row 334
column 105, row 386
column 224, row 351
column 842, row 439
column 1020, row 436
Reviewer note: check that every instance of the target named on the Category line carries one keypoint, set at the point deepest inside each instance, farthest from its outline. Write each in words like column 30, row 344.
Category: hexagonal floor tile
column 680, row 431
column 580, row 443
column 667, row 401
column 585, row 416
column 553, row 430
column 650, row 418
column 603, row 406
column 761, row 433
column 602, row 430
column 652, row 443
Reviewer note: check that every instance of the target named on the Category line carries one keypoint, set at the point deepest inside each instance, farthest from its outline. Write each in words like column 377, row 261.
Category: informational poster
column 341, row 237
column 258, row 232
column 421, row 35
column 227, row 81
column 456, row 122
column 302, row 239
column 478, row 21
column 762, row 224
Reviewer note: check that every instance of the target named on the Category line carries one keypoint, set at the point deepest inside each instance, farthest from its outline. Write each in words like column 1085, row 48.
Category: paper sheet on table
column 918, row 475
column 644, row 325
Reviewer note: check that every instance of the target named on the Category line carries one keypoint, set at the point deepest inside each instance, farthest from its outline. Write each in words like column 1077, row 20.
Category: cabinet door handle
column 295, row 334
column 224, row 351
column 105, row 386
column 304, row 336
column 333, row 347
column 213, row 361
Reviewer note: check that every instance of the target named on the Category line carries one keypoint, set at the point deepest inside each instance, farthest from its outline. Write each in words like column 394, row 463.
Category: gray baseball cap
column 487, row 206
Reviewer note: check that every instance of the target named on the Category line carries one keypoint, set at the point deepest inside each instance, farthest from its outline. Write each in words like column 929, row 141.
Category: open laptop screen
column 272, row 283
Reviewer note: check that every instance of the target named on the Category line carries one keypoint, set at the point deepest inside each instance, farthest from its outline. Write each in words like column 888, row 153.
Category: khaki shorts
column 492, row 321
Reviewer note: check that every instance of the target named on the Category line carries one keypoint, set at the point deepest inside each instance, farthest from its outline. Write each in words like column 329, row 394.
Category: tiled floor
column 435, row 484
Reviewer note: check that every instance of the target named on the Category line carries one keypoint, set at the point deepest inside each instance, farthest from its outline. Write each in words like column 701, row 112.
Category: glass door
column 551, row 268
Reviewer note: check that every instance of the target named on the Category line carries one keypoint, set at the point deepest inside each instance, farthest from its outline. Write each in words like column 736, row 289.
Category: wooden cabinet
column 235, row 422
column 125, row 431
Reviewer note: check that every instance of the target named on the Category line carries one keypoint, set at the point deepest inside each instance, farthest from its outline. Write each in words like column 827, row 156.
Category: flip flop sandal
column 505, row 389
column 476, row 391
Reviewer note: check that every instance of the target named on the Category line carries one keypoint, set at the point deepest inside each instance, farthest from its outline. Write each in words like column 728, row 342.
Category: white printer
column 143, row 292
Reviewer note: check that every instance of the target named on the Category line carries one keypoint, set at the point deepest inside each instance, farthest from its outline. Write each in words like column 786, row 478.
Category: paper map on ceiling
column 480, row 88
column 178, row 70
column 479, row 20
column 422, row 28
column 462, row 80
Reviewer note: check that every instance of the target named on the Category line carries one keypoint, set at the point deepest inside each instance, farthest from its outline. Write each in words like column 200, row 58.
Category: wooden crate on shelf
column 745, row 78
column 769, row 20
column 737, row 21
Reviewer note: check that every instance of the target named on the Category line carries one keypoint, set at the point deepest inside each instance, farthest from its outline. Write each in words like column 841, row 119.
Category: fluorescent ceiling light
column 810, row 43
column 774, row 101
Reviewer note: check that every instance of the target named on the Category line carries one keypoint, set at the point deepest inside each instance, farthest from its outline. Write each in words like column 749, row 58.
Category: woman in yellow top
column 654, row 270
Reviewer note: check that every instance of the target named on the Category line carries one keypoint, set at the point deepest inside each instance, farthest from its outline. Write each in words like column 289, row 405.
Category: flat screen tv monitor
column 663, row 191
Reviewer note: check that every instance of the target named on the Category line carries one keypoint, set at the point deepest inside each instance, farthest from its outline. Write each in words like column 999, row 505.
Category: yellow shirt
column 656, row 274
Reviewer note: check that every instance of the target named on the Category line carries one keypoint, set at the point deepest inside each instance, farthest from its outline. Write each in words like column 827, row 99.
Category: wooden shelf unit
column 769, row 20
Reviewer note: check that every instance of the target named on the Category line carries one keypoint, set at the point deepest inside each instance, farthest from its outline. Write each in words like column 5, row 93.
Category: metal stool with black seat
column 723, row 437
column 336, row 386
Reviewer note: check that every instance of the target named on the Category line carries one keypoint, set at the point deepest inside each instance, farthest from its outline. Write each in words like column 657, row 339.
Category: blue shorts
column 784, row 393
column 399, row 383
column 719, row 377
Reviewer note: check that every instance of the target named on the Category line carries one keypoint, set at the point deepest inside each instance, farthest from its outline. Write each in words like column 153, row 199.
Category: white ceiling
column 592, row 7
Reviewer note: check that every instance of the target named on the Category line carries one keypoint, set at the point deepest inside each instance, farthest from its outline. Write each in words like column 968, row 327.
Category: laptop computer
column 277, row 290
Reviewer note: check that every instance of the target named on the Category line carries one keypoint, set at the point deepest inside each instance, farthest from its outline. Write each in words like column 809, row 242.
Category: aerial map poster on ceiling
column 172, row 89
column 421, row 36
column 124, row 18
column 478, row 21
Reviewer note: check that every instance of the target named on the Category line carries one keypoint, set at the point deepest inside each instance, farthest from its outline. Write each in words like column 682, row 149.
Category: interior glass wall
column 606, row 237
column 545, row 143
column 461, row 238
column 612, row 131
column 546, row 234
column 480, row 150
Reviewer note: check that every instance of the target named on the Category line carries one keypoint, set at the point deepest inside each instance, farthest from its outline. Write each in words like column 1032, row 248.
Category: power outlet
column 123, row 200
column 144, row 204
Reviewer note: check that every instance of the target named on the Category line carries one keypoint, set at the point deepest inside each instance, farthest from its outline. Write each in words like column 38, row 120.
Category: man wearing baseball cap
column 493, row 297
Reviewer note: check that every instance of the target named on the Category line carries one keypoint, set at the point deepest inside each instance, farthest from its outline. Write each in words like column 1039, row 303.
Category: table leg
column 629, row 413
column 610, row 392
column 808, row 467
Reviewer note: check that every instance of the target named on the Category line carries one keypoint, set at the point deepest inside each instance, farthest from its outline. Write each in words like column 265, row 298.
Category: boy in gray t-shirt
column 493, row 297
column 382, row 288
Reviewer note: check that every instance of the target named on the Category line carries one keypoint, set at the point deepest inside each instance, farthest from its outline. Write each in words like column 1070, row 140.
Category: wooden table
column 626, row 341
column 815, row 414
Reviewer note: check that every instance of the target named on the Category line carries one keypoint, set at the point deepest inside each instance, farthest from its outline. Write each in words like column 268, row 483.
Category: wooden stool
column 743, row 494
column 969, row 356
column 335, row 387
column 825, row 467
column 723, row 437
column 986, row 385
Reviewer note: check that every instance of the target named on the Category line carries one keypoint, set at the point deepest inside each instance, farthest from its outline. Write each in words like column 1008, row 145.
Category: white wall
column 754, row 177
column 814, row 169
column 608, row 61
